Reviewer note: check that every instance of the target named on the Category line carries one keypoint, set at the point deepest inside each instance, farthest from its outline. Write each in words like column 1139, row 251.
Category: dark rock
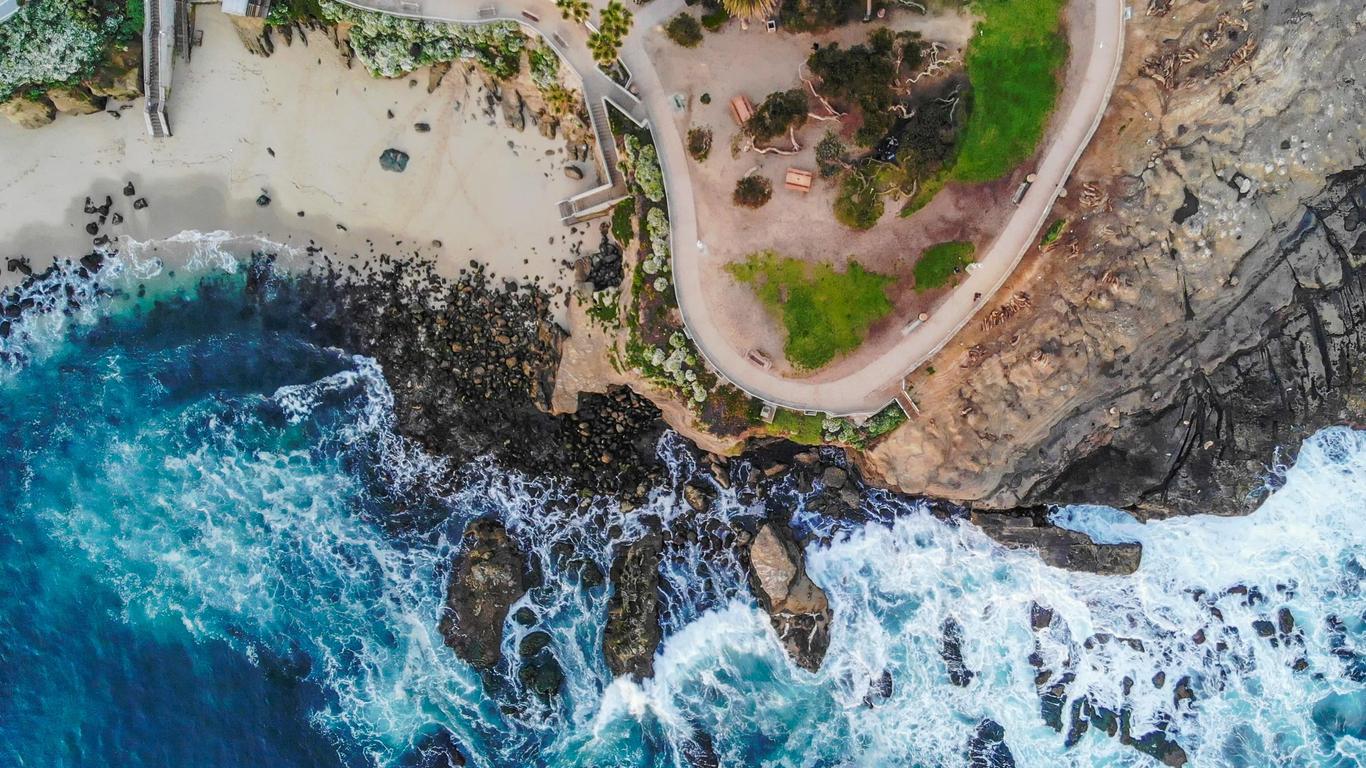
column 92, row 228
column 533, row 643
column 951, row 651
column 263, row 200
column 574, row 172
column 987, row 747
column 834, row 477
column 19, row 264
column 698, row 496
column 1040, row 616
column 93, row 262
column 438, row 749
column 128, row 190
column 879, row 691
column 116, row 219
column 1059, row 547
column 632, row 633
column 1264, row 628
column 542, row 674
column 1285, row 621
column 422, row 127
column 394, row 160
column 488, row 576
column 797, row 608
column 139, row 203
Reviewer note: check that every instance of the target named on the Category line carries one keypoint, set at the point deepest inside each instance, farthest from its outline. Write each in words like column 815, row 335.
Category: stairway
column 151, row 43
column 602, row 131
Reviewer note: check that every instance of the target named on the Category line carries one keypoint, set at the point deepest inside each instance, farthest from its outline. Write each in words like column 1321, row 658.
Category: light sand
column 482, row 190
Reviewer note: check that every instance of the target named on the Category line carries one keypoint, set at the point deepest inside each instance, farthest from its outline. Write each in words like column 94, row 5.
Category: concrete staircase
column 155, row 113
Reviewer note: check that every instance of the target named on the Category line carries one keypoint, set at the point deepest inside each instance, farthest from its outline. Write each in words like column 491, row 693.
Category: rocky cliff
column 1205, row 306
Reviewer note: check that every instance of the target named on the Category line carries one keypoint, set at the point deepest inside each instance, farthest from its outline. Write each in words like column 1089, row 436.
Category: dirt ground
column 754, row 63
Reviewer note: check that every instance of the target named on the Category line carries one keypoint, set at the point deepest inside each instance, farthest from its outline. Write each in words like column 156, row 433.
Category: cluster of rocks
column 472, row 364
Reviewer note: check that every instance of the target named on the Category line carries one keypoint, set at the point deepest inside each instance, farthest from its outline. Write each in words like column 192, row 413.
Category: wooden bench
column 798, row 180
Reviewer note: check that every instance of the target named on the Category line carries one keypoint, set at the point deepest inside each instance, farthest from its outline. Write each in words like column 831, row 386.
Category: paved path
column 875, row 385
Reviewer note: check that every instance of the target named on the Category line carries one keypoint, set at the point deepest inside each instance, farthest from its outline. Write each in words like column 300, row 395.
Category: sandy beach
column 308, row 132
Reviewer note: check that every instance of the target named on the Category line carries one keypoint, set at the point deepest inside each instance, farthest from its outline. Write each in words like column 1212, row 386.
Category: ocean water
column 199, row 566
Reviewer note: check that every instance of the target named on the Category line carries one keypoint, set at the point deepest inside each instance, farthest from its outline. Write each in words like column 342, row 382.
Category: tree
column 699, row 143
column 685, row 30
column 614, row 23
column 576, row 11
column 781, row 110
column 753, row 191
column 749, row 9
column 862, row 74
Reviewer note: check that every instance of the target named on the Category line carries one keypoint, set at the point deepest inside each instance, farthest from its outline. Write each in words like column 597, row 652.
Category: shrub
column 1054, row 232
column 52, row 42
column 657, row 227
column 699, row 143
column 830, row 154
column 391, row 46
column 685, row 30
column 859, row 204
column 816, row 15
column 622, row 219
column 862, row 74
column 714, row 20
column 649, row 177
column 706, row 98
column 753, row 191
column 782, row 109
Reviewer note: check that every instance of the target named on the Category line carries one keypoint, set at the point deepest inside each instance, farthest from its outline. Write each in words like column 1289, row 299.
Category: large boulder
column 119, row 76
column 395, row 160
column 75, row 101
column 796, row 607
column 488, row 577
column 28, row 113
column 632, row 633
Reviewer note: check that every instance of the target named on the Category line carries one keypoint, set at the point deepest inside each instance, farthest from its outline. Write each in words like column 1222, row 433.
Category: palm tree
column 576, row 11
column 604, row 48
column 616, row 20
column 749, row 9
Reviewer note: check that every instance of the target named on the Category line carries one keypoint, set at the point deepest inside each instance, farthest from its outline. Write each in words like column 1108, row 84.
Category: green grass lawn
column 938, row 263
column 1015, row 62
column 826, row 312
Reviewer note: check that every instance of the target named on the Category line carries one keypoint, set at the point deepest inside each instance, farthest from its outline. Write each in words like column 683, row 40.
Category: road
column 874, row 386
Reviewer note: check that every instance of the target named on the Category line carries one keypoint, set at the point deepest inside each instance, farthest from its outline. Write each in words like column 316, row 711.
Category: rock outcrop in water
column 489, row 575
column 1059, row 547
column 632, row 633
column 1206, row 305
column 796, row 607
column 472, row 362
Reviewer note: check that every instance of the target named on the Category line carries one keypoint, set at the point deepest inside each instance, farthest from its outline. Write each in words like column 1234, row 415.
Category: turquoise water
column 200, row 565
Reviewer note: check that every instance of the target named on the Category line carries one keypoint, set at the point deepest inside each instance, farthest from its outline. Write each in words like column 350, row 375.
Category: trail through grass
column 1015, row 62
column 826, row 312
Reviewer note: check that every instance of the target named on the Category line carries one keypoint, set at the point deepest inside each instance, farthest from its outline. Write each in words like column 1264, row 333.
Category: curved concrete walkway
column 876, row 385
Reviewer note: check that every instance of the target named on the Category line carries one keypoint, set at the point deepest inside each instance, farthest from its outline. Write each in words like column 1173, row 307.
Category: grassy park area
column 826, row 312
column 1015, row 62
column 939, row 263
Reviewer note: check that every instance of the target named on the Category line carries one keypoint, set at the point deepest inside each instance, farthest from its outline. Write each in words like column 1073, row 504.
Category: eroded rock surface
column 632, row 633
column 1206, row 303
column 797, row 608
column 488, row 577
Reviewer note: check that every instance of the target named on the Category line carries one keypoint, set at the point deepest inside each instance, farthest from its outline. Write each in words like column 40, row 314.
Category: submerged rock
column 987, row 747
column 632, row 633
column 394, row 160
column 796, row 607
column 951, row 651
column 489, row 575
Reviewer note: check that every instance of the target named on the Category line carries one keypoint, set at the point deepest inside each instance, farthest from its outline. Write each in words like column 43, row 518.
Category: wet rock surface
column 488, row 576
column 1059, row 547
column 471, row 362
column 796, row 607
column 633, row 633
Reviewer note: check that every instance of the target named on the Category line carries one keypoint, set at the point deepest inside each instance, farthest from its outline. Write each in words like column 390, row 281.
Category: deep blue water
column 195, row 570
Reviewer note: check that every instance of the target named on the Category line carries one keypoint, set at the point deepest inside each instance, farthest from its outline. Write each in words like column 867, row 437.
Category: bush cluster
column 781, row 110
column 685, row 30
column 753, row 191
column 390, row 46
